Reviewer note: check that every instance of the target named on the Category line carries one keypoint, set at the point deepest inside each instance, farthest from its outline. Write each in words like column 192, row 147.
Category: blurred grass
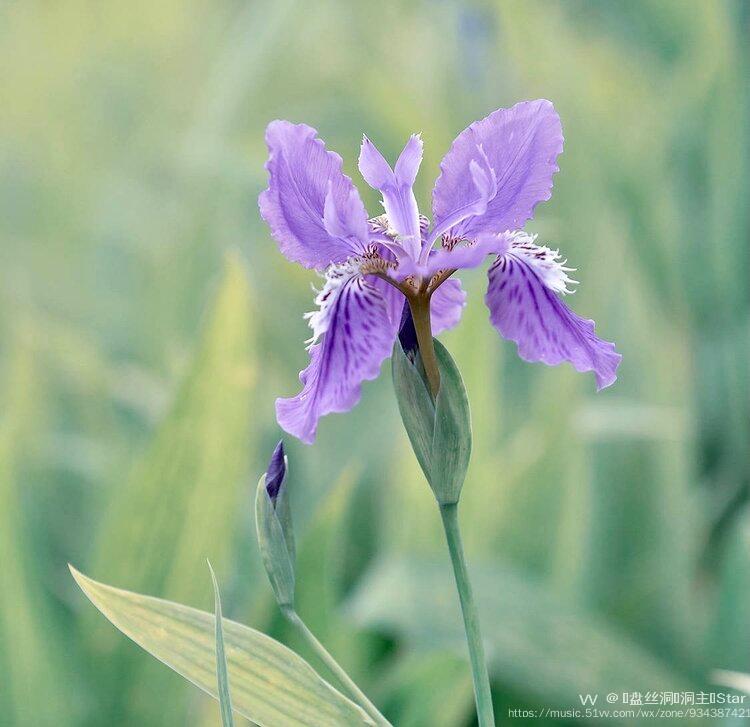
column 131, row 156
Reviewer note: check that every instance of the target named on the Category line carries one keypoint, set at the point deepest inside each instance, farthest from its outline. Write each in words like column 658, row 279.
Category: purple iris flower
column 493, row 176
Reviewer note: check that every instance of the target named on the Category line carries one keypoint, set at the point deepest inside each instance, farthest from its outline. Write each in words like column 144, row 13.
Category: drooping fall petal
column 354, row 334
column 524, row 309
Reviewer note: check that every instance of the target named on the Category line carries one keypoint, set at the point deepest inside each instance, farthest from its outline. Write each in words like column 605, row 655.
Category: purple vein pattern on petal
column 393, row 299
column 526, row 311
column 313, row 209
column 358, row 338
column 521, row 145
column 447, row 305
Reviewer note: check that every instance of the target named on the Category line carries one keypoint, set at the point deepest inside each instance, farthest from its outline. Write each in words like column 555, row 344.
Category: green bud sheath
column 276, row 541
column 439, row 430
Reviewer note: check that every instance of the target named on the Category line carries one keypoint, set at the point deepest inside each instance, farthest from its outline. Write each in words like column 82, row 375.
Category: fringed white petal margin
column 545, row 261
column 336, row 276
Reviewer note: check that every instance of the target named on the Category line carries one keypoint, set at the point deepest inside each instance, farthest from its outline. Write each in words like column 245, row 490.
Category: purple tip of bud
column 276, row 472
column 407, row 334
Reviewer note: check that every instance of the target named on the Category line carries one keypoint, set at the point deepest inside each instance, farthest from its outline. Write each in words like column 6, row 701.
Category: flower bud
column 276, row 472
column 273, row 521
column 439, row 430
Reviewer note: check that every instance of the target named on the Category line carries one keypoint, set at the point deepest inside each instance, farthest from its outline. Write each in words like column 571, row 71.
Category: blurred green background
column 148, row 323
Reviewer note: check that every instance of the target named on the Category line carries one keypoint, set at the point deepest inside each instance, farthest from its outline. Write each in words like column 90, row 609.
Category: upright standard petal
column 525, row 309
column 510, row 156
column 313, row 209
column 396, row 187
column 353, row 334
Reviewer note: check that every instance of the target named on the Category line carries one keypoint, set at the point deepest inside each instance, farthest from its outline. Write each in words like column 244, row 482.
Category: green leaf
column 225, row 698
column 538, row 645
column 270, row 683
column 439, row 432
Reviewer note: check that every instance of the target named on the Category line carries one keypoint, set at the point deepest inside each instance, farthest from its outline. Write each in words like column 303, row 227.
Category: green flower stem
column 482, row 695
column 354, row 691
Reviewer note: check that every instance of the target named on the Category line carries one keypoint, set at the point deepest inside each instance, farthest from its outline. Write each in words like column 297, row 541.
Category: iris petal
column 447, row 305
column 357, row 334
column 528, row 312
column 313, row 209
column 396, row 187
column 520, row 145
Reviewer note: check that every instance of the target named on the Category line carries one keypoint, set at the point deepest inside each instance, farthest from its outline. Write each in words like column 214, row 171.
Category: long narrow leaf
column 222, row 679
